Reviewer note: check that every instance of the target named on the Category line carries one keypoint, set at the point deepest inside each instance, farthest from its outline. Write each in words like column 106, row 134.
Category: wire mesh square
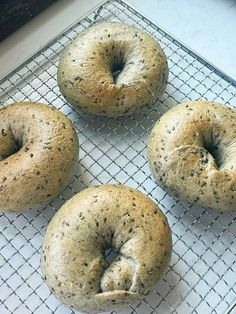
column 202, row 274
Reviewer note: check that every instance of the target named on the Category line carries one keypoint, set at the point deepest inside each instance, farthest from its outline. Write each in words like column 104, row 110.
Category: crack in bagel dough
column 38, row 152
column 192, row 153
column 72, row 257
column 113, row 69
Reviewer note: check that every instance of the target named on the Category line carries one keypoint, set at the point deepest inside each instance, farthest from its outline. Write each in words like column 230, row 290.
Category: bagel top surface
column 38, row 151
column 192, row 153
column 86, row 70
column 98, row 218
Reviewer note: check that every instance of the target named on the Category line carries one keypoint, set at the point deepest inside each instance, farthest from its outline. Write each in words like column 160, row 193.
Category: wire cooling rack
column 202, row 274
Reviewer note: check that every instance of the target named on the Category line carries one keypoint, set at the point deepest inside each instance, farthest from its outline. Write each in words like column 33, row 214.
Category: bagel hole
column 215, row 153
column 18, row 145
column 110, row 255
column 11, row 147
column 116, row 70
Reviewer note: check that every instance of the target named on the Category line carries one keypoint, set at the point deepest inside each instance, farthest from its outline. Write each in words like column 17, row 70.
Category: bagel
column 192, row 153
column 38, row 151
column 86, row 71
column 72, row 257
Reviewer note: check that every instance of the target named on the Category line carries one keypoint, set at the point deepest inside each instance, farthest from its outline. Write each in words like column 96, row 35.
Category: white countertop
column 207, row 27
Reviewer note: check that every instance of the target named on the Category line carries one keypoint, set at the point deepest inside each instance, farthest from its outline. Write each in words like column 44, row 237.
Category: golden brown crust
column 192, row 153
column 38, row 151
column 97, row 218
column 85, row 70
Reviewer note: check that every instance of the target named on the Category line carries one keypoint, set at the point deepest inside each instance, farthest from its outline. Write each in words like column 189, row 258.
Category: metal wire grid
column 202, row 274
